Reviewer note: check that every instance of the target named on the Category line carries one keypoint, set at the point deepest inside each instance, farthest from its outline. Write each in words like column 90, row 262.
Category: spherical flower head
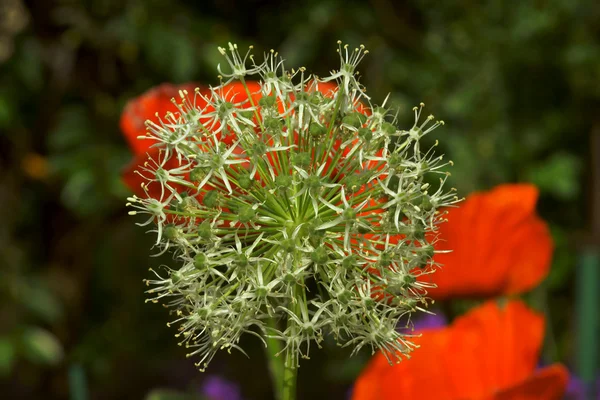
column 292, row 210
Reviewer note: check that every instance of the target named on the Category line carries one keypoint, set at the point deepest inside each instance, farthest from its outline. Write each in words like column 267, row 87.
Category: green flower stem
column 290, row 373
column 290, row 363
column 256, row 113
column 283, row 367
column 588, row 278
column 276, row 363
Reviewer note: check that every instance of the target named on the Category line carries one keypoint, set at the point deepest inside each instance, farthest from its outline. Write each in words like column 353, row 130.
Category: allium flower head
column 292, row 210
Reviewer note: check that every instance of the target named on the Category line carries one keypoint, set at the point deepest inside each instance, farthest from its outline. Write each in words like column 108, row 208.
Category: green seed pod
column 267, row 101
column 355, row 120
column 198, row 174
column 203, row 312
column 301, row 160
column 242, row 261
column 245, row 182
column 365, row 134
column 417, row 231
column 205, row 230
column 273, row 124
column 416, row 132
column 313, row 182
column 224, row 109
column 302, row 97
column 395, row 161
column 386, row 258
column 246, row 214
column 283, row 181
column 170, row 232
column 211, row 199
column 349, row 214
column 175, row 277
column 249, row 114
column 388, row 128
column 428, row 251
column 369, row 303
column 289, row 278
column 258, row 149
column 162, row 175
column 288, row 245
column 409, row 280
column 316, row 98
column 364, row 229
column 349, row 262
column 315, row 236
column 317, row 131
column 425, row 255
column 200, row 261
column 320, row 255
column 345, row 296
column 353, row 183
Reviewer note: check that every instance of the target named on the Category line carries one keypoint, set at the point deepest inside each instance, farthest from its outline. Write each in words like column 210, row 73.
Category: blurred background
column 517, row 83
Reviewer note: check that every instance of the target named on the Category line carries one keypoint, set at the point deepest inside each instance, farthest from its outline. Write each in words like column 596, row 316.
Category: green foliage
column 41, row 346
column 166, row 394
column 557, row 176
column 7, row 356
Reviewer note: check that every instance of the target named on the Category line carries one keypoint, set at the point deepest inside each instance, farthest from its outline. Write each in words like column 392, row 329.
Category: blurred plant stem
column 275, row 362
column 539, row 299
column 283, row 368
column 290, row 372
column 77, row 383
column 588, row 280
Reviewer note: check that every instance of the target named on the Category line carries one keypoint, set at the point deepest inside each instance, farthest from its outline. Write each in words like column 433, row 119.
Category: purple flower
column 578, row 390
column 430, row 321
column 216, row 388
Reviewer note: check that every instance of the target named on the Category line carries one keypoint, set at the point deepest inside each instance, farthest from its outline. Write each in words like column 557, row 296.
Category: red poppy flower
column 156, row 102
column 145, row 107
column 489, row 353
column 498, row 245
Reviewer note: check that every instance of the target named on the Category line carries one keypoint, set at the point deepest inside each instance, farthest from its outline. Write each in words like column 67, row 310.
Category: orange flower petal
column 417, row 377
column 498, row 245
column 548, row 383
column 498, row 347
column 489, row 351
column 144, row 107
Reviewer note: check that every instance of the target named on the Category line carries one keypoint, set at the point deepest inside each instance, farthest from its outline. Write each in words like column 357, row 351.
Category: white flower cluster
column 293, row 209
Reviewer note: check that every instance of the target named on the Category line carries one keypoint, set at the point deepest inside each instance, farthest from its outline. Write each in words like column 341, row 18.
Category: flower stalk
column 290, row 373
column 276, row 362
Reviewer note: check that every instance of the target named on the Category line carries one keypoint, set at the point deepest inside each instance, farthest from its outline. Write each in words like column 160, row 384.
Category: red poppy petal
column 144, row 107
column 534, row 260
column 421, row 370
column 486, row 351
column 498, row 346
column 548, row 383
column 498, row 245
column 421, row 376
